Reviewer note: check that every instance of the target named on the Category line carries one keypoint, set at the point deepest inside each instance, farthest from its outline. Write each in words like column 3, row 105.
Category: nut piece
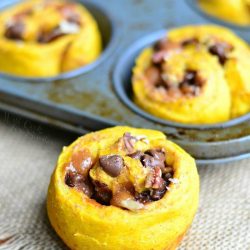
column 119, row 197
column 112, row 164
column 129, row 142
column 132, row 204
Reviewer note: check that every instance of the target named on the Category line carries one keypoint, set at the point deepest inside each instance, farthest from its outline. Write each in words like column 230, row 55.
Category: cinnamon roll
column 123, row 188
column 195, row 75
column 233, row 11
column 41, row 38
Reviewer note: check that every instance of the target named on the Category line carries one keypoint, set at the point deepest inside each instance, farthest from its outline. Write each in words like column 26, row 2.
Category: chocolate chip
column 167, row 176
column 47, row 37
column 156, row 187
column 143, row 197
column 157, row 154
column 102, row 194
column 136, row 155
column 153, row 158
column 161, row 44
column 191, row 41
column 73, row 179
column 157, row 194
column 70, row 179
column 191, row 83
column 190, row 76
column 15, row 31
column 151, row 194
column 220, row 49
column 111, row 164
column 147, row 160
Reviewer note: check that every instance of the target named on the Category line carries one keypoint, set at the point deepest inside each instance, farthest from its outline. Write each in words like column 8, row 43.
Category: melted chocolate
column 191, row 83
column 111, row 164
column 158, row 179
column 82, row 183
column 15, row 30
column 50, row 36
column 191, row 41
column 136, row 155
column 102, row 193
column 221, row 50
column 77, row 175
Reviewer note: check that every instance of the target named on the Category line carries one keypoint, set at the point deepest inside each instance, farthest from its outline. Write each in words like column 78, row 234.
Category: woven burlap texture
column 28, row 153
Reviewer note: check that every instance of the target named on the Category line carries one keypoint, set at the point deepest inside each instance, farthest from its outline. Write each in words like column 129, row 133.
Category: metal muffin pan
column 89, row 99
column 241, row 30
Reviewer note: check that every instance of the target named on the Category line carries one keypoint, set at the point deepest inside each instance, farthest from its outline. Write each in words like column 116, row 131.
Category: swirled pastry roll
column 123, row 188
column 233, row 11
column 196, row 75
column 41, row 38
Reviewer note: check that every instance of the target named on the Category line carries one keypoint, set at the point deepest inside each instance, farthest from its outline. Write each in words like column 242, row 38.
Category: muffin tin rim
column 195, row 7
column 135, row 48
column 220, row 161
column 80, row 130
column 78, row 71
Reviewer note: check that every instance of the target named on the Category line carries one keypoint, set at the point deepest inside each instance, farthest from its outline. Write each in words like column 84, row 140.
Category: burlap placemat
column 28, row 152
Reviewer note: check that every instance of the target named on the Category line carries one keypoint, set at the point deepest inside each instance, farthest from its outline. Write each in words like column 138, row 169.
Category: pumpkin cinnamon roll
column 196, row 75
column 123, row 188
column 233, row 11
column 41, row 38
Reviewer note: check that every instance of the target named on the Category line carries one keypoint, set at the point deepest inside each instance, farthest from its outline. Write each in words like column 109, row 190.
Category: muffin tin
column 99, row 95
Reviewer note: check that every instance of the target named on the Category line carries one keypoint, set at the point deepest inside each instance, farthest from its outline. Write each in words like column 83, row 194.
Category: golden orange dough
column 77, row 43
column 83, row 223
column 197, row 110
column 233, row 11
column 225, row 93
